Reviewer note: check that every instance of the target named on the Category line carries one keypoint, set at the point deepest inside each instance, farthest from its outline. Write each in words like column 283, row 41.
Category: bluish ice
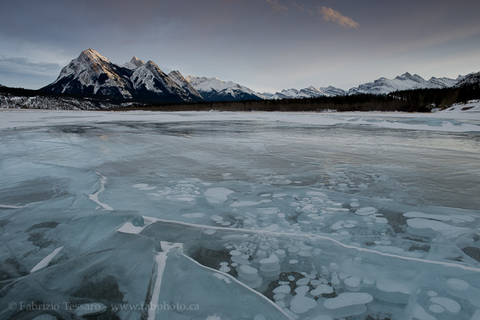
column 239, row 216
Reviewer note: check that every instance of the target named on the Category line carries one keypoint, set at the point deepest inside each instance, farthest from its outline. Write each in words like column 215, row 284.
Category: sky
column 267, row 45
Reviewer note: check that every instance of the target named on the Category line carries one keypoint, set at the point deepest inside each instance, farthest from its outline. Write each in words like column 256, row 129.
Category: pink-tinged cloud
column 277, row 5
column 336, row 17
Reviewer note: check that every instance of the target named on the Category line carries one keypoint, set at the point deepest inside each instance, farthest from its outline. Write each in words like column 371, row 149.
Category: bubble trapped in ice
column 307, row 217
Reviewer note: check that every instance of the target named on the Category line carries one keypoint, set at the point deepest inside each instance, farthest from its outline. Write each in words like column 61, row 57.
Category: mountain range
column 93, row 75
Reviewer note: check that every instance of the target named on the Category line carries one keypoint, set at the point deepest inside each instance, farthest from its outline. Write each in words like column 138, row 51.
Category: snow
column 134, row 63
column 86, row 69
column 205, row 84
column 405, row 81
column 146, row 76
column 128, row 227
column 472, row 106
column 310, row 92
column 135, row 80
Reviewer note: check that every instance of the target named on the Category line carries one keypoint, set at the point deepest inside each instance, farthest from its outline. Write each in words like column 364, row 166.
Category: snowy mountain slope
column 309, row 92
column 405, row 81
column 178, row 78
column 445, row 82
column 213, row 89
column 472, row 106
column 472, row 78
column 134, row 63
column 151, row 83
column 92, row 74
column 382, row 85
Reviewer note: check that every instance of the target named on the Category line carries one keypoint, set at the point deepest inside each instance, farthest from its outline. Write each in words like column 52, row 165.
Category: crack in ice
column 94, row 196
column 161, row 261
column 7, row 206
column 321, row 237
column 45, row 261
column 242, row 284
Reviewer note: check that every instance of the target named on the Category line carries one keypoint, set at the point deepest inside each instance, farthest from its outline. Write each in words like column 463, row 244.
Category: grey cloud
column 20, row 65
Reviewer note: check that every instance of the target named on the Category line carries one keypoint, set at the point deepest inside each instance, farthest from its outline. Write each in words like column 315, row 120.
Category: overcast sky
column 267, row 45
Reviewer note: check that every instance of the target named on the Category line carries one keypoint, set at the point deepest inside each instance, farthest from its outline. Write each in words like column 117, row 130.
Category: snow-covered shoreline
column 452, row 120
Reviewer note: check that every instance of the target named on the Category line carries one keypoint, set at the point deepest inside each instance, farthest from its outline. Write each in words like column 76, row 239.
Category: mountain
column 405, row 81
column 134, row 63
column 178, row 78
column 213, row 89
column 91, row 74
column 152, row 84
column 309, row 92
column 470, row 79
column 445, row 82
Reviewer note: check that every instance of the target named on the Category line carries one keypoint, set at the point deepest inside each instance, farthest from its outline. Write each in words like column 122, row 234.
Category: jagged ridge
column 91, row 74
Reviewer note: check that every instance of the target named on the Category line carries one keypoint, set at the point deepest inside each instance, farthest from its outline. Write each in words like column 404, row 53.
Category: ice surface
column 240, row 215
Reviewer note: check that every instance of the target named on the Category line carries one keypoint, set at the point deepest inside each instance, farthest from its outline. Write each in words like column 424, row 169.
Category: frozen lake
column 217, row 215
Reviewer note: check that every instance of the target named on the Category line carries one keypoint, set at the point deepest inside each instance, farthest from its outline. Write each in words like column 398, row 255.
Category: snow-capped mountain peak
column 469, row 79
column 91, row 74
column 92, row 55
column 134, row 63
column 407, row 76
column 178, row 78
column 150, row 81
column 406, row 81
column 308, row 92
column 214, row 89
